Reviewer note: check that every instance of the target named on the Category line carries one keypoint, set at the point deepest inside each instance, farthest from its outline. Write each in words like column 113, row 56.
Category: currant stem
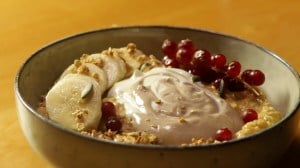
column 254, row 90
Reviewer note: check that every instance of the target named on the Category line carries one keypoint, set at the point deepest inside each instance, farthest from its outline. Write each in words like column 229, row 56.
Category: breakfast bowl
column 63, row 147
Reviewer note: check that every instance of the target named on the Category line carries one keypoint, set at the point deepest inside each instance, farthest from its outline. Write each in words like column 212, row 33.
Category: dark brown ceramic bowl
column 65, row 148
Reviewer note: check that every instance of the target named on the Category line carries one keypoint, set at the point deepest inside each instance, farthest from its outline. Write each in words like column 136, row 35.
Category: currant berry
column 208, row 75
column 186, row 44
column 169, row 48
column 170, row 62
column 253, row 77
column 223, row 134
column 184, row 57
column 233, row 69
column 108, row 110
column 249, row 115
column 113, row 123
column 202, row 58
column 234, row 84
column 218, row 61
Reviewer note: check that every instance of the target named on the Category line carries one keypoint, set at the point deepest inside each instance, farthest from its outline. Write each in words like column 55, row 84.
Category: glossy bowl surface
column 65, row 148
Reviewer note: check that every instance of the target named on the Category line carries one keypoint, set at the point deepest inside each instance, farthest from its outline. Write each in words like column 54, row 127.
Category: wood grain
column 26, row 25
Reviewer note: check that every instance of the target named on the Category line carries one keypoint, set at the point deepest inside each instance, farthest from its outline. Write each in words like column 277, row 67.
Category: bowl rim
column 150, row 146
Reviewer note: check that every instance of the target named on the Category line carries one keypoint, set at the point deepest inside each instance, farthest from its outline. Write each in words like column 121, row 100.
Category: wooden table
column 26, row 25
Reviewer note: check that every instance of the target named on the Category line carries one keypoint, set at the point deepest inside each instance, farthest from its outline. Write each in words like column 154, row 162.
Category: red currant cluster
column 209, row 68
column 112, row 122
column 212, row 69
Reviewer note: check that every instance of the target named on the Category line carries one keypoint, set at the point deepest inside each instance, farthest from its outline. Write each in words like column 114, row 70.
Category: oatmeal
column 188, row 98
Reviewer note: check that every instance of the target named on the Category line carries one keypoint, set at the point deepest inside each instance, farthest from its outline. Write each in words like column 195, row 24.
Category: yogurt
column 166, row 102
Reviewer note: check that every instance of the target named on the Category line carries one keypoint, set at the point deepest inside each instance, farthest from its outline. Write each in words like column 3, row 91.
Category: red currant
column 234, row 69
column 113, row 123
column 169, row 48
column 202, row 58
column 223, row 134
column 184, row 57
column 170, row 62
column 187, row 44
column 218, row 61
column 108, row 110
column 253, row 77
column 206, row 75
column 249, row 115
column 234, row 84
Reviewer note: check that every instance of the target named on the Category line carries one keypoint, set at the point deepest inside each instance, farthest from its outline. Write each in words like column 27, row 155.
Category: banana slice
column 114, row 67
column 133, row 58
column 75, row 102
column 92, row 71
column 136, row 59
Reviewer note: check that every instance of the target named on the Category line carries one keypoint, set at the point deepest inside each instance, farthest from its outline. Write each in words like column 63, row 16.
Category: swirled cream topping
column 166, row 102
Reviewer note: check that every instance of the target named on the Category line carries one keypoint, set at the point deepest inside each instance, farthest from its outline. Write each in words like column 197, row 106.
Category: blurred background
column 27, row 25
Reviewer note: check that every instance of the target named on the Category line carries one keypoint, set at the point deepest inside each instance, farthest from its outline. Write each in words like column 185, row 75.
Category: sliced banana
column 114, row 67
column 74, row 103
column 132, row 58
column 93, row 71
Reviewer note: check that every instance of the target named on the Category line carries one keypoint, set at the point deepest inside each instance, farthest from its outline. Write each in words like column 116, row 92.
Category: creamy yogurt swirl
column 166, row 102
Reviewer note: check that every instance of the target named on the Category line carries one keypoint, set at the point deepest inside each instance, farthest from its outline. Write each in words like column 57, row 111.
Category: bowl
column 66, row 148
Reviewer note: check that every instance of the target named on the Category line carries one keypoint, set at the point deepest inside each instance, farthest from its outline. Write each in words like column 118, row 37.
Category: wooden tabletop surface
column 27, row 25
